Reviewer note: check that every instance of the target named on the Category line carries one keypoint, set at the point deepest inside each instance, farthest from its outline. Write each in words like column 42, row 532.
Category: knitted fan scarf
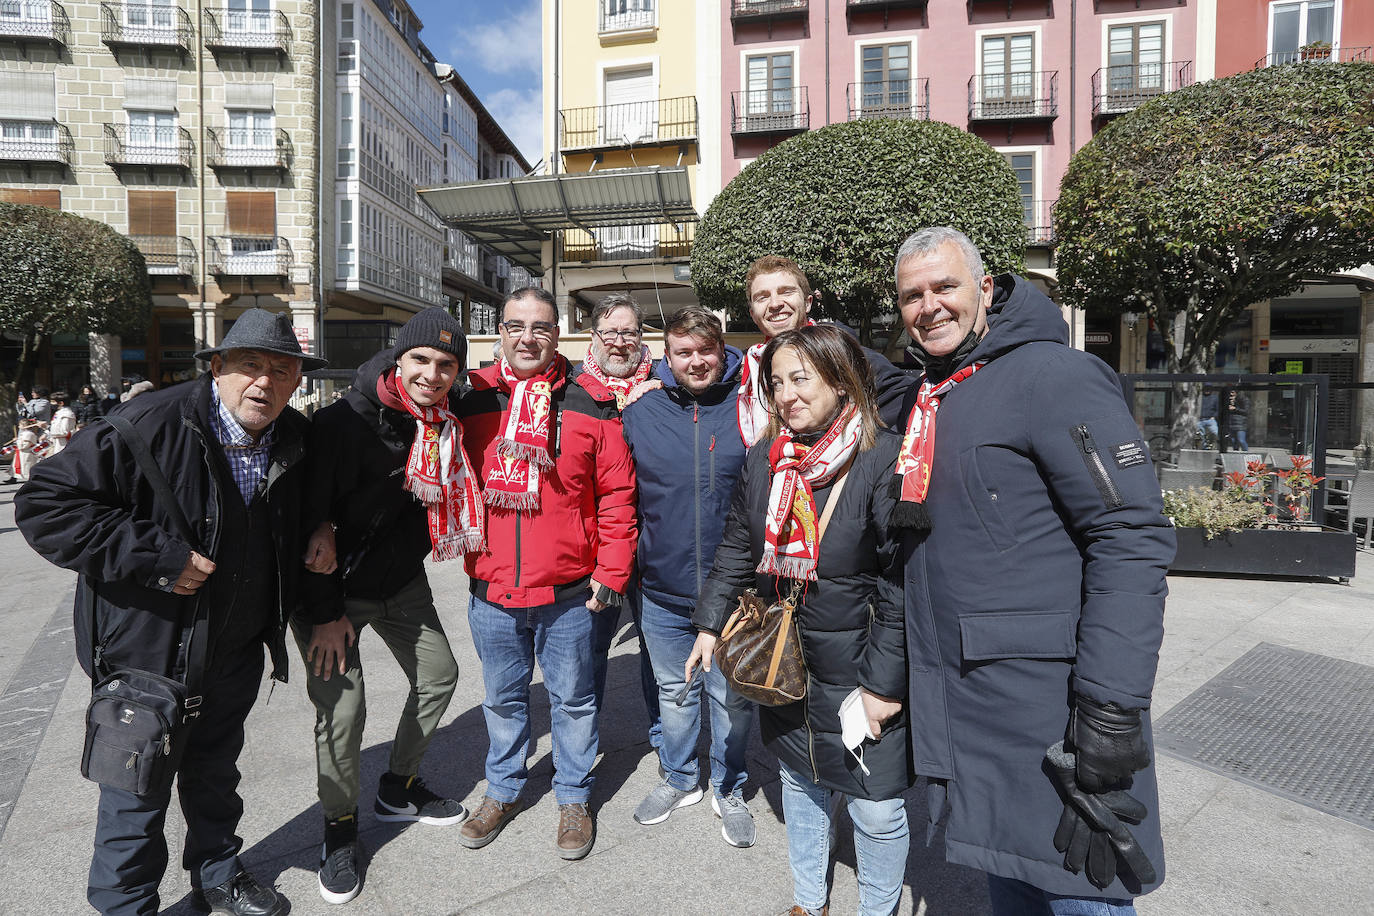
column 438, row 473
column 523, row 450
column 752, row 405
column 791, row 544
column 620, row 387
column 917, row 457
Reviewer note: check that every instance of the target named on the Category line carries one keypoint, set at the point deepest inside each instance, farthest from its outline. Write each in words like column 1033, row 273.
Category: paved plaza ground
column 1232, row 847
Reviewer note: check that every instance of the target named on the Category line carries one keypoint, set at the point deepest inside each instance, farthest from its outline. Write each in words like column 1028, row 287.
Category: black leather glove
column 1109, row 745
column 1092, row 831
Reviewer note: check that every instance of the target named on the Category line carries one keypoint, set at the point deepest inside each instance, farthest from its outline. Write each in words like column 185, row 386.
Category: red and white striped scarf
column 438, row 473
column 752, row 405
column 791, row 542
column 524, row 447
column 620, row 387
column 917, row 457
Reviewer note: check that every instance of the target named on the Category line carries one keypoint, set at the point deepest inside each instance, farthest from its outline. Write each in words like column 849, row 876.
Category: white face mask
column 854, row 726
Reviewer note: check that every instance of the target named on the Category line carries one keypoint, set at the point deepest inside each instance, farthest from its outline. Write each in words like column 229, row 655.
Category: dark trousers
column 130, row 849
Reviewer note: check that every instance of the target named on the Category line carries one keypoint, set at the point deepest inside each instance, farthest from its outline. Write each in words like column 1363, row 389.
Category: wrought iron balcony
column 35, row 141
column 882, row 6
column 629, row 243
column 247, row 30
column 745, row 10
column 1315, row 55
column 656, row 121
column 145, row 25
column 623, row 16
column 1040, row 222
column 157, row 147
column 1123, row 88
column 35, row 21
column 248, row 148
column 250, row 256
column 770, row 111
column 890, row 99
column 167, row 255
column 1016, row 96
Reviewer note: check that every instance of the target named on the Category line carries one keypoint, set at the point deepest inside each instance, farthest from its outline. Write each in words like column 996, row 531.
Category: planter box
column 1312, row 552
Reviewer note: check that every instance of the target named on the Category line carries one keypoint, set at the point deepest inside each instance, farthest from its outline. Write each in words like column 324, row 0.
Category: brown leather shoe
column 800, row 911
column 486, row 822
column 576, row 831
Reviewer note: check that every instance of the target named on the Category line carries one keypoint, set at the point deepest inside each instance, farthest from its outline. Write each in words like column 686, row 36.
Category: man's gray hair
column 924, row 241
column 617, row 301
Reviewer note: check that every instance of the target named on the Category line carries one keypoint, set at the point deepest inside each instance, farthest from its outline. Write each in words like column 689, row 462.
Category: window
column 886, row 79
column 1023, row 164
column 623, row 15
column 1008, row 80
column 253, row 17
column 1295, row 28
column 153, row 228
column 1135, row 62
column 150, row 14
column 345, row 253
column 153, row 131
column 13, row 12
column 631, row 111
column 347, row 141
column 34, row 197
column 251, row 220
column 769, row 92
column 250, row 130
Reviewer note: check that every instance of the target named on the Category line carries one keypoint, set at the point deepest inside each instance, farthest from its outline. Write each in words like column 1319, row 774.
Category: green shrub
column 1214, row 511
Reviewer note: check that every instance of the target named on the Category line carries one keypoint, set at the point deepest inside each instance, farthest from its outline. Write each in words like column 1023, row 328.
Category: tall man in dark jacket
column 687, row 449
column 387, row 474
column 1035, row 585
column 233, row 450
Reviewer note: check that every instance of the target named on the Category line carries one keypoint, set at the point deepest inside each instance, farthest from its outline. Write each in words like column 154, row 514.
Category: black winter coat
column 850, row 621
column 90, row 509
column 358, row 452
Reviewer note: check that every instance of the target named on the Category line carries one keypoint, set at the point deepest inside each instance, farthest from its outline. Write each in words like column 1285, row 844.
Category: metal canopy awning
column 516, row 215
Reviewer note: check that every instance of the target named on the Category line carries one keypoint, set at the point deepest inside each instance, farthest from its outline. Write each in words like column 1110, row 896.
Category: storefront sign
column 1097, row 338
column 303, row 337
column 1292, row 367
column 1316, row 345
column 133, row 355
column 74, row 355
column 178, row 354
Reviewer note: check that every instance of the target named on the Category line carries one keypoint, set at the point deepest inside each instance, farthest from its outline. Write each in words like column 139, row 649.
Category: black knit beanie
column 434, row 327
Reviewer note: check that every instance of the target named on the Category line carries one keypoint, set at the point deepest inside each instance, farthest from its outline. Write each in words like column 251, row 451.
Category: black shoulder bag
column 136, row 717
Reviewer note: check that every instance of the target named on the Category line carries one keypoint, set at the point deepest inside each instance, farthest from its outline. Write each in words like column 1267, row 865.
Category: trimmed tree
column 1216, row 196
column 64, row 274
column 840, row 200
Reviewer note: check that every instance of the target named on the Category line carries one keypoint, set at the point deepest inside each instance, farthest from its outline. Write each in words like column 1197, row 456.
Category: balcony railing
column 629, row 124
column 247, row 30
column 249, row 256
column 625, row 16
column 145, row 25
column 1312, row 55
column 890, row 99
column 169, row 147
column 745, row 10
column 248, row 148
column 629, row 243
column 36, row 141
column 1126, row 87
column 1001, row 96
column 36, row 21
column 1040, row 222
column 770, row 111
column 167, row 255
column 863, row 6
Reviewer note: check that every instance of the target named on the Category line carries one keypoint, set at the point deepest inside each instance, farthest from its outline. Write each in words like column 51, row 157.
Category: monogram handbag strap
column 779, row 644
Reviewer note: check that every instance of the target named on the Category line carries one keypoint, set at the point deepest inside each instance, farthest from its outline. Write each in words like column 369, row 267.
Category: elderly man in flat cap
column 234, row 452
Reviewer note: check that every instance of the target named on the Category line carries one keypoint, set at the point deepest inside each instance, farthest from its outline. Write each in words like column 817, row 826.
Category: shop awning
column 516, row 215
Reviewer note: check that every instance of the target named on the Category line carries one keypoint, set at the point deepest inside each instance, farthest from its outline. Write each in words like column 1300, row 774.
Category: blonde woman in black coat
column 825, row 442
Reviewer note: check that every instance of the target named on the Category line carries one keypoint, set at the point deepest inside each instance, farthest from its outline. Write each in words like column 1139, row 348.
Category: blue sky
column 496, row 48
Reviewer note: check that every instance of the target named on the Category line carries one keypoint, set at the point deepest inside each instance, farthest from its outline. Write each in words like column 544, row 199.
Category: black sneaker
column 242, row 895
column 406, row 798
column 339, row 881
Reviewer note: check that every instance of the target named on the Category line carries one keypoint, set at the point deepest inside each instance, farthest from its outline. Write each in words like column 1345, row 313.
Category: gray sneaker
column 736, row 823
column 663, row 801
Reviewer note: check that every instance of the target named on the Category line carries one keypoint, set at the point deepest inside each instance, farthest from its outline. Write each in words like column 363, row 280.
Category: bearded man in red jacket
column 559, row 487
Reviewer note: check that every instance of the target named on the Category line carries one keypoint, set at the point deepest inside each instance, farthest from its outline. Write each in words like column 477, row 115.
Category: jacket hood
column 734, row 358
column 1019, row 314
column 365, row 379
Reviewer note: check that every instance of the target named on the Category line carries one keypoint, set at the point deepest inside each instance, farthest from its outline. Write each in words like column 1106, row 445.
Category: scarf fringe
column 507, row 500
column 453, row 547
column 426, row 492
column 797, row 568
column 539, row 457
column 914, row 516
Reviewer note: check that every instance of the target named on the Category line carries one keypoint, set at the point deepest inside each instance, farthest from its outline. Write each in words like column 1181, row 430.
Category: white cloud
column 500, row 44
column 519, row 112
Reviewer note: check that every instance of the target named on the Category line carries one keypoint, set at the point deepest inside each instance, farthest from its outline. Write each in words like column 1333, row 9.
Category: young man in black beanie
column 389, row 486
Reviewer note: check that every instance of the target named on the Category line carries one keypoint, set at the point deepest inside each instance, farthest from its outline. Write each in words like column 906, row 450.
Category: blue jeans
column 881, row 842
column 669, row 635
column 508, row 640
column 1011, row 897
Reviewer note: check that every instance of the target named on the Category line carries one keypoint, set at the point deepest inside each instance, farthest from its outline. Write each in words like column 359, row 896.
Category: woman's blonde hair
column 839, row 361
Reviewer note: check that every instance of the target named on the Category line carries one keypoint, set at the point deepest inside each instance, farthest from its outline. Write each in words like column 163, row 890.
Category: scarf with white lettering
column 524, row 448
column 917, row 458
column 620, row 387
column 791, row 541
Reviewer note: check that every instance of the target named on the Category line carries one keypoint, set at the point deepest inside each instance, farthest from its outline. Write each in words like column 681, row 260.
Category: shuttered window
column 28, row 95
column 153, row 213
column 251, row 212
column 35, row 197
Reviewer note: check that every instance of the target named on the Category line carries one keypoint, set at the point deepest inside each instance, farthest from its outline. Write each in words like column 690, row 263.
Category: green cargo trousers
column 409, row 625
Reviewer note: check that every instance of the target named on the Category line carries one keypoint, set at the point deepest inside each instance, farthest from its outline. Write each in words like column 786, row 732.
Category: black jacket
column 90, row 509
column 850, row 620
column 358, row 452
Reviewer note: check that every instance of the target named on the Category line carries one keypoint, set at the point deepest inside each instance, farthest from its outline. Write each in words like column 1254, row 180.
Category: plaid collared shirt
column 247, row 459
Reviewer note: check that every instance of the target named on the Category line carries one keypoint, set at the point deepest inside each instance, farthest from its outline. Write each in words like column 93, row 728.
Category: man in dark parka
column 1035, row 585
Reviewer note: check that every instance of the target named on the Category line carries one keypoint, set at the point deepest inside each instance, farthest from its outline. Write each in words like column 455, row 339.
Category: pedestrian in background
column 63, row 424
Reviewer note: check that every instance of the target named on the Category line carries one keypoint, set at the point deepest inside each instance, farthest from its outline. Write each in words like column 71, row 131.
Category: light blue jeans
column 1011, row 897
column 508, row 640
column 881, row 842
column 669, row 636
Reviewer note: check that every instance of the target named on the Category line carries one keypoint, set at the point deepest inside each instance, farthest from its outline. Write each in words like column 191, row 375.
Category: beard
column 616, row 365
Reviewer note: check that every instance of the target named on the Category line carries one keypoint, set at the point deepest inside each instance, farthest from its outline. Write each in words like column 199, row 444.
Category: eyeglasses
column 540, row 330
column 611, row 334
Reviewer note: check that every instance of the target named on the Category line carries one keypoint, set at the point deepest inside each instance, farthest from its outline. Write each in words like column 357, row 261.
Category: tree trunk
column 23, row 375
